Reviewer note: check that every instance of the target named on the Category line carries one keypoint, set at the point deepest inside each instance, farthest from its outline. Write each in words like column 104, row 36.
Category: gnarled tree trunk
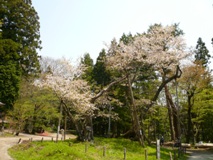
column 136, row 123
column 175, row 114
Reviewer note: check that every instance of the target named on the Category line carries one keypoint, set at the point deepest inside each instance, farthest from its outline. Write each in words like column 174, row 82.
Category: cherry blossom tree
column 159, row 48
column 74, row 93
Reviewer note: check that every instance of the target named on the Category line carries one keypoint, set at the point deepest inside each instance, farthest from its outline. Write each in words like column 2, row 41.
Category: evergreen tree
column 88, row 63
column 21, row 24
column 126, row 38
column 10, row 72
column 100, row 74
column 19, row 40
column 202, row 53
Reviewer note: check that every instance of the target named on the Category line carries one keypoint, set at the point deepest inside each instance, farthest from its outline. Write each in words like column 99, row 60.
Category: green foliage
column 202, row 53
column 100, row 74
column 126, row 38
column 178, row 31
column 156, row 123
column 202, row 112
column 62, row 150
column 21, row 24
column 88, row 63
column 34, row 109
column 9, row 72
column 19, row 40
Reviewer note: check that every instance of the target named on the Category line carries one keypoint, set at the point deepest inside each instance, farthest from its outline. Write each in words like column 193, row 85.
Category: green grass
column 63, row 150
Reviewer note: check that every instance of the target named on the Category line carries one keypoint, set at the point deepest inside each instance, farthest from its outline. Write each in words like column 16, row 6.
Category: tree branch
column 178, row 74
column 106, row 89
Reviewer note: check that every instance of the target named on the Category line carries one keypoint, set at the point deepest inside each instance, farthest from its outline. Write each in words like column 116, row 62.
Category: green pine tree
column 100, row 74
column 10, row 72
column 202, row 53
column 127, row 38
column 21, row 24
column 88, row 63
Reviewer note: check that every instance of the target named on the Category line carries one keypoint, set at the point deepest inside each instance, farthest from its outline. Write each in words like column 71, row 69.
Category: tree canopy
column 202, row 53
column 9, row 72
column 19, row 41
column 20, row 23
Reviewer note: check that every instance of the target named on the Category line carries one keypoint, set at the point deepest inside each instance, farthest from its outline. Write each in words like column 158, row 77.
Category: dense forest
column 141, row 87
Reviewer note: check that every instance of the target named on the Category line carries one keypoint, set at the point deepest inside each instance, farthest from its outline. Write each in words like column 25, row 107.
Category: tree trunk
column 171, row 121
column 189, row 124
column 176, row 120
column 195, row 135
column 136, row 123
column 65, row 125
column 189, row 121
column 78, row 130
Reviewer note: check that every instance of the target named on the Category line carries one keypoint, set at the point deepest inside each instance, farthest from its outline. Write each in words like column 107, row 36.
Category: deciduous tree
column 73, row 93
column 35, row 108
column 159, row 49
column 195, row 78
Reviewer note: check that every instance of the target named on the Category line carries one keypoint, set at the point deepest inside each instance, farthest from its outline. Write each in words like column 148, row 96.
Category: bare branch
column 177, row 74
column 107, row 88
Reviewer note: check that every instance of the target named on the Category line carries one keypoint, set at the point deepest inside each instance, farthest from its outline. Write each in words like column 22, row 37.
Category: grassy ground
column 73, row 150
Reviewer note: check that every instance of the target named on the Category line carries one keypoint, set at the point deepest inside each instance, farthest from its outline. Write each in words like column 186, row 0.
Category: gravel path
column 6, row 143
column 200, row 154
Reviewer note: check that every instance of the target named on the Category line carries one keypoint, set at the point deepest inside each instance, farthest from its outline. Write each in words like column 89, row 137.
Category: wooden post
column 65, row 125
column 70, row 143
column 146, row 155
column 124, row 153
column 170, row 156
column 62, row 134
column 19, row 141
column 42, row 139
column 86, row 147
column 158, row 149
column 175, row 158
column 104, row 151
column 52, row 138
column 56, row 141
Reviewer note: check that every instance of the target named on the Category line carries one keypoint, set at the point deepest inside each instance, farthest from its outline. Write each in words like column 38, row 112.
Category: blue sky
column 71, row 28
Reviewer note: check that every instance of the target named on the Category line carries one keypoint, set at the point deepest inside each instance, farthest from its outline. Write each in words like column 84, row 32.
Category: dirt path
column 200, row 154
column 8, row 142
